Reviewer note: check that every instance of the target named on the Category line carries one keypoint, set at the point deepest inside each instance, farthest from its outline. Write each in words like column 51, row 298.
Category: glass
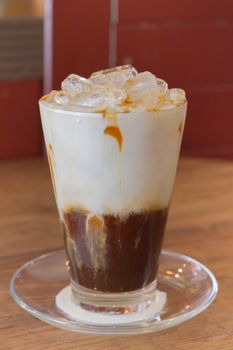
column 113, row 176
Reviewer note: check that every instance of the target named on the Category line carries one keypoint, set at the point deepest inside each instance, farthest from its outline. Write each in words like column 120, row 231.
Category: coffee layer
column 109, row 254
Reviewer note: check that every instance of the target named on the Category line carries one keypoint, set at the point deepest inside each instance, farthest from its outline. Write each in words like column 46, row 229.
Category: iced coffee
column 113, row 143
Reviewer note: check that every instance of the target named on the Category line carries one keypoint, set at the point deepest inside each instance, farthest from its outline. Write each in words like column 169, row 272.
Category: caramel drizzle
column 50, row 159
column 115, row 132
column 180, row 127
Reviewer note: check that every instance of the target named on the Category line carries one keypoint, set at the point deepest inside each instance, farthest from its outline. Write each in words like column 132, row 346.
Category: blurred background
column 186, row 42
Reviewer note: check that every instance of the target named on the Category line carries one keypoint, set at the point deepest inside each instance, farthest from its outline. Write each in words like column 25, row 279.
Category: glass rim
column 93, row 114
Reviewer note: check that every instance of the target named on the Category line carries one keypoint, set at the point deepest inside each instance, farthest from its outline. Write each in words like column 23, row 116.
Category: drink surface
column 113, row 143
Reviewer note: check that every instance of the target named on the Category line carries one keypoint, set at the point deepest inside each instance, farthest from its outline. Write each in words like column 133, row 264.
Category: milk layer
column 92, row 172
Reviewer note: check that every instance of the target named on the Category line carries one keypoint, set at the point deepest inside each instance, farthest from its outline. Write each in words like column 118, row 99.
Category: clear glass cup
column 113, row 177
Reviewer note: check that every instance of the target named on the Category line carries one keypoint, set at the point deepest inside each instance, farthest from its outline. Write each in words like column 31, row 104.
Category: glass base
column 188, row 285
column 66, row 304
column 114, row 303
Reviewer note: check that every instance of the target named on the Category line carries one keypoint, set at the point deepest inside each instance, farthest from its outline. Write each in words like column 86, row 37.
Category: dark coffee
column 112, row 254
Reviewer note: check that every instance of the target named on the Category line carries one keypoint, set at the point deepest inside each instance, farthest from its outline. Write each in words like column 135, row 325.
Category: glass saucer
column 189, row 286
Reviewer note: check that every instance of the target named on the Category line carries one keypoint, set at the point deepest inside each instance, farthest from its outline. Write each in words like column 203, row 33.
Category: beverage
column 113, row 144
column 98, row 257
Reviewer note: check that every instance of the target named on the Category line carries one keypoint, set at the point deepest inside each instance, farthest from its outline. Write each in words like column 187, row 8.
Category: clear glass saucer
column 189, row 285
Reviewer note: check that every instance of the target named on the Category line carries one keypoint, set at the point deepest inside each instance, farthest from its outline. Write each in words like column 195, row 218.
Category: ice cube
column 143, row 84
column 146, row 103
column 114, row 76
column 97, row 98
column 62, row 98
column 167, row 105
column 162, row 85
column 177, row 95
column 75, row 84
column 149, row 101
column 120, row 95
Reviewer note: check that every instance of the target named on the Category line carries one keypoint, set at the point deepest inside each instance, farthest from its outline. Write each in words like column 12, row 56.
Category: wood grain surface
column 200, row 225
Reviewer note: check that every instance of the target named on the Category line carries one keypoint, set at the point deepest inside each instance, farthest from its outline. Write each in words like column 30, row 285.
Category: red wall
column 80, row 38
column 20, row 131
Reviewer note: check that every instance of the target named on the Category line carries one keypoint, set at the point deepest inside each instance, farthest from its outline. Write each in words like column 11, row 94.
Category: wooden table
column 200, row 225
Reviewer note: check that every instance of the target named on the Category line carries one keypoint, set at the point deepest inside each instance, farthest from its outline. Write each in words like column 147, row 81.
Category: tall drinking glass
column 113, row 176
